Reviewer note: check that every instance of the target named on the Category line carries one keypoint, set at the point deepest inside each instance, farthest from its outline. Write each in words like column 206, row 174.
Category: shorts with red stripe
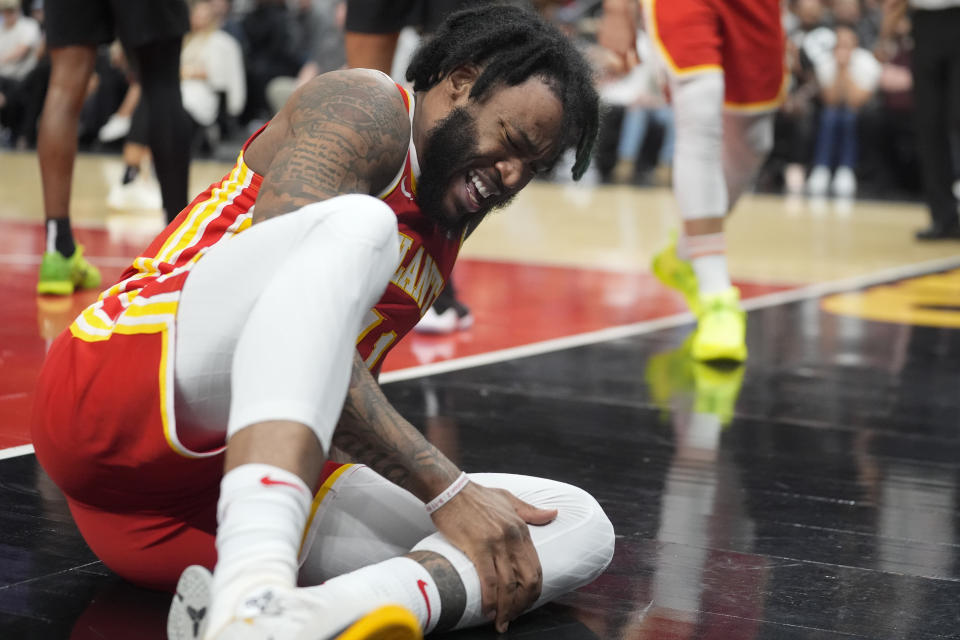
column 742, row 38
column 145, row 510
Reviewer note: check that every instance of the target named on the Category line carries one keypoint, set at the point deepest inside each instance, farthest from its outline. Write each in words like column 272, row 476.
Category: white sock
column 712, row 274
column 472, row 610
column 395, row 581
column 261, row 516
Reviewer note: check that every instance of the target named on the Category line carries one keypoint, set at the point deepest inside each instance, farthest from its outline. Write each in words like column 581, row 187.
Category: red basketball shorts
column 741, row 38
column 145, row 510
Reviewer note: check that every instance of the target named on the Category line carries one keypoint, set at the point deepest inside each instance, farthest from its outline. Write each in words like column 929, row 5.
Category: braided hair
column 512, row 44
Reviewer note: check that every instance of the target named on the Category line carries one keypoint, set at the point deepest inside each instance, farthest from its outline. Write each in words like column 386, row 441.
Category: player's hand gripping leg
column 490, row 527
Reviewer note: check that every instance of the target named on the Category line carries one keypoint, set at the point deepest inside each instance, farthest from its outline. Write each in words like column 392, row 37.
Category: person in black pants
column 936, row 92
column 151, row 32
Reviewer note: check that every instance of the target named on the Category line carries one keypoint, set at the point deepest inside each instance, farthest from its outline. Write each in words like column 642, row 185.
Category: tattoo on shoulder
column 347, row 134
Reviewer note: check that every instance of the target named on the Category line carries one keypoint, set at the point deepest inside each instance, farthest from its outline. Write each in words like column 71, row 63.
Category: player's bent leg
column 367, row 520
column 358, row 518
column 573, row 549
column 342, row 251
column 303, row 284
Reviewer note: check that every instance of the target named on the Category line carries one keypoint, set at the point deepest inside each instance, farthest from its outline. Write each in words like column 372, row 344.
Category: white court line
column 13, row 452
column 648, row 326
column 639, row 328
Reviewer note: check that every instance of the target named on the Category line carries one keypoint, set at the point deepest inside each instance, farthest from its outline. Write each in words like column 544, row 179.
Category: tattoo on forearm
column 453, row 596
column 347, row 134
column 373, row 433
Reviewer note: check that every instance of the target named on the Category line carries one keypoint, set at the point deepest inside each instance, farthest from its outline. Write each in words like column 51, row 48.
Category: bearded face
column 456, row 183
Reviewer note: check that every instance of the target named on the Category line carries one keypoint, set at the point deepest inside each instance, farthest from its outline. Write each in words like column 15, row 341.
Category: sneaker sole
column 390, row 622
column 193, row 595
column 713, row 352
column 55, row 288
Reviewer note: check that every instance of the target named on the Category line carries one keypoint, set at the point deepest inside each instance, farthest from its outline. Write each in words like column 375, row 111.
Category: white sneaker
column 453, row 319
column 844, row 183
column 793, row 178
column 819, row 181
column 287, row 613
column 115, row 128
column 135, row 195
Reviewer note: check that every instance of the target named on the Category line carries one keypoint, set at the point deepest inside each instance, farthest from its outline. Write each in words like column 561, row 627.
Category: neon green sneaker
column 59, row 276
column 677, row 273
column 717, row 389
column 721, row 328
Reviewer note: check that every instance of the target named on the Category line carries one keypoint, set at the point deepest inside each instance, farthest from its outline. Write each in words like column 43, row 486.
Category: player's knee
column 366, row 219
column 596, row 528
column 698, row 105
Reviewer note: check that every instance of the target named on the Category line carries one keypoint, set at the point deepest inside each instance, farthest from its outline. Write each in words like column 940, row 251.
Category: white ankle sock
column 261, row 513
column 395, row 581
column 712, row 274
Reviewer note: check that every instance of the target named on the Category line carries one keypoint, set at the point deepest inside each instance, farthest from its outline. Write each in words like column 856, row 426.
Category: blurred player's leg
column 63, row 268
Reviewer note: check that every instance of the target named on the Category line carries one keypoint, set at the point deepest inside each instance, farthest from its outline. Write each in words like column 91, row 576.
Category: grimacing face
column 482, row 154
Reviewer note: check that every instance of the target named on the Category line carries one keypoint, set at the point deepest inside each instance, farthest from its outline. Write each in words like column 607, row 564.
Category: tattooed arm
column 342, row 132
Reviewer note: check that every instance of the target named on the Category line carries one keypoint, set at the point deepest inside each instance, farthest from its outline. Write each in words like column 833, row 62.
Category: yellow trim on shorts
column 766, row 105
column 651, row 24
column 321, row 494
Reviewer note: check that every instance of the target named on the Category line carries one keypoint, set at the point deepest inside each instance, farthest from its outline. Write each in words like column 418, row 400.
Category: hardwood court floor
column 811, row 494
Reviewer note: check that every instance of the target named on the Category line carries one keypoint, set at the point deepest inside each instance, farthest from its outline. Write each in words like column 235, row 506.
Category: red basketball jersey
column 144, row 301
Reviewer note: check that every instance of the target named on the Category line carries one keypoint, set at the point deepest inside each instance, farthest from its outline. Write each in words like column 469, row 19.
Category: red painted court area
column 514, row 304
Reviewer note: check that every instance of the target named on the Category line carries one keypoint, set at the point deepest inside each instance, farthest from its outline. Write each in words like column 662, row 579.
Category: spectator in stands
column 795, row 122
column 270, row 54
column 318, row 33
column 847, row 80
column 866, row 24
column 20, row 44
column 211, row 69
column 641, row 94
column 213, row 87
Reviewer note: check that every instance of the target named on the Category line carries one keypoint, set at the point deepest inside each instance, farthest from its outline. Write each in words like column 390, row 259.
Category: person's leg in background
column 953, row 98
column 930, row 99
column 697, row 264
column 134, row 190
column 158, row 66
column 372, row 28
column 663, row 172
column 823, row 151
column 63, row 268
column 633, row 130
column 848, row 150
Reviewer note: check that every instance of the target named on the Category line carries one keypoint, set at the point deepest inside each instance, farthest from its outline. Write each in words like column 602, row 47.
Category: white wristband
column 447, row 494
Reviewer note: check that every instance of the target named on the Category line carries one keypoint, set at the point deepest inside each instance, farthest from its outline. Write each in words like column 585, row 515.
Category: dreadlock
column 510, row 44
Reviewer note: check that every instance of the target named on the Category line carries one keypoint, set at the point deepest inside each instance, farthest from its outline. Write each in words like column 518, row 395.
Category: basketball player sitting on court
column 187, row 414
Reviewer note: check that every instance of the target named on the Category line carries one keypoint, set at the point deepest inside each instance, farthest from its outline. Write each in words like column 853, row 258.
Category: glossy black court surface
column 826, row 508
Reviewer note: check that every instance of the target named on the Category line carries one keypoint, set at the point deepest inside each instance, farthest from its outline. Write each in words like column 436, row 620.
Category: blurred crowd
column 239, row 62
column 845, row 125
